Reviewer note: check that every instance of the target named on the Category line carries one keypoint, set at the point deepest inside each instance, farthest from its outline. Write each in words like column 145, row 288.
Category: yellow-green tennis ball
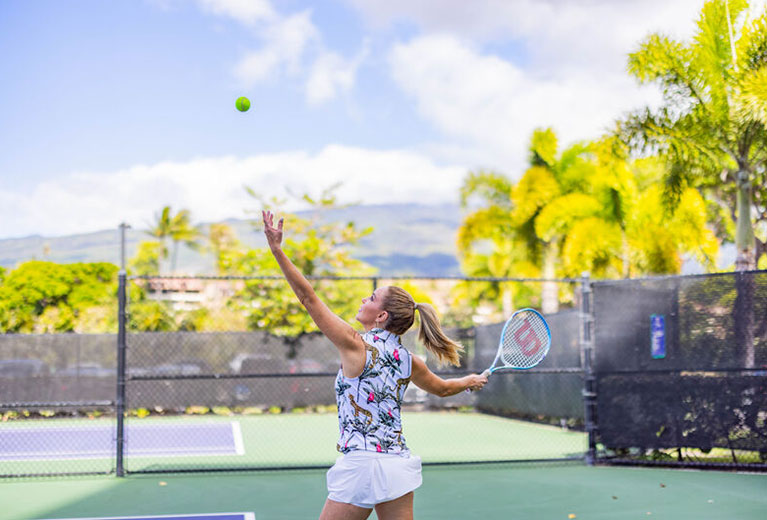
column 242, row 104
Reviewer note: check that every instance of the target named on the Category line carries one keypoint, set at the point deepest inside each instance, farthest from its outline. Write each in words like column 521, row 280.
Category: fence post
column 587, row 359
column 121, row 347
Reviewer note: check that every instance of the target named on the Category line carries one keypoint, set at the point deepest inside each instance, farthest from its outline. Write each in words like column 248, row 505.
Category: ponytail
column 431, row 335
column 401, row 308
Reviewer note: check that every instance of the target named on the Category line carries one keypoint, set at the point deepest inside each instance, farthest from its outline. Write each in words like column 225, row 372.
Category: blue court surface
column 209, row 516
column 89, row 442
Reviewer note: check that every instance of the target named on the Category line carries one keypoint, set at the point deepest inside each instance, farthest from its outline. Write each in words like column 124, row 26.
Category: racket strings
column 525, row 342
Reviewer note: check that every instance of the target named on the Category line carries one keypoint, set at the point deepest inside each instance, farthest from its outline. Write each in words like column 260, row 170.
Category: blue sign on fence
column 658, row 336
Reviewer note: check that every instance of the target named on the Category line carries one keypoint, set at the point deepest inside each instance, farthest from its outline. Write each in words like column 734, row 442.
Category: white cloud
column 550, row 20
column 494, row 105
column 566, row 68
column 285, row 43
column 213, row 189
column 248, row 12
column 292, row 47
column 553, row 37
column 331, row 74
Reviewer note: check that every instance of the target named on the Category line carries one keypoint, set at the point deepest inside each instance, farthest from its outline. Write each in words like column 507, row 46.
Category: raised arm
column 347, row 340
column 432, row 383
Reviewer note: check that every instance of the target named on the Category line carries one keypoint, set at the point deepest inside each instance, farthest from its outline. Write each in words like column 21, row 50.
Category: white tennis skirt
column 366, row 478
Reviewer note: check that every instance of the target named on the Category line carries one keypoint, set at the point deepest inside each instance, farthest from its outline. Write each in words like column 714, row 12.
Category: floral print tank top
column 369, row 405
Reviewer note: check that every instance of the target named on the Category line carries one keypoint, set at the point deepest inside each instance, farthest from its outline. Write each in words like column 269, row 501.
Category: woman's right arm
column 427, row 380
column 348, row 341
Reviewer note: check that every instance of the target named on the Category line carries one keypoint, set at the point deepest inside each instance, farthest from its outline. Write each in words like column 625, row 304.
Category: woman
column 376, row 470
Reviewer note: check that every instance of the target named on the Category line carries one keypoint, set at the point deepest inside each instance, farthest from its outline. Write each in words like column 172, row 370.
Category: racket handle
column 486, row 373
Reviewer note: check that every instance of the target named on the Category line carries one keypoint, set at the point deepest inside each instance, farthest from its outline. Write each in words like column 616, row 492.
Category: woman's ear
column 382, row 317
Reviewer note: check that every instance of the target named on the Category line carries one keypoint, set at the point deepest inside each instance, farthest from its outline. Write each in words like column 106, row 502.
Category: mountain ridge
column 407, row 239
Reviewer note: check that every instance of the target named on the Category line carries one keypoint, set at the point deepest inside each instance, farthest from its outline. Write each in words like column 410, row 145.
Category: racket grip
column 486, row 373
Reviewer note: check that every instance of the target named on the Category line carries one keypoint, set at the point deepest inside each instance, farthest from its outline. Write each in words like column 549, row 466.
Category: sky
column 110, row 110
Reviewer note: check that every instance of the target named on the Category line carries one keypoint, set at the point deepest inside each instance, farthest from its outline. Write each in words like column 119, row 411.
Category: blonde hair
column 401, row 308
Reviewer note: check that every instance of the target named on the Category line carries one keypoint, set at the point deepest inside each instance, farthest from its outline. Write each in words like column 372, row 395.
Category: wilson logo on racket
column 528, row 340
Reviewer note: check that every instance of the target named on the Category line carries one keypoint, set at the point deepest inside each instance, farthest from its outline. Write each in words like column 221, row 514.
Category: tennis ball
column 242, row 104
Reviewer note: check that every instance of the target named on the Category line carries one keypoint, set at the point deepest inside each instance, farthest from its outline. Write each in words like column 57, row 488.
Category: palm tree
column 552, row 195
column 620, row 229
column 176, row 228
column 514, row 251
column 712, row 126
column 224, row 245
column 589, row 208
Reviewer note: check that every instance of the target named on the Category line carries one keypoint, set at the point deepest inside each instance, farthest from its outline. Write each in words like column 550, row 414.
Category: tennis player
column 376, row 470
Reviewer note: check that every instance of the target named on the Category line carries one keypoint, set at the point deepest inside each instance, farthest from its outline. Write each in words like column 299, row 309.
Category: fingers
column 480, row 380
column 268, row 217
column 477, row 382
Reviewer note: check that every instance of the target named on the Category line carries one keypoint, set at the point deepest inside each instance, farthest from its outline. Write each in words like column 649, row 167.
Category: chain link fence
column 681, row 367
column 271, row 399
column 228, row 398
column 654, row 371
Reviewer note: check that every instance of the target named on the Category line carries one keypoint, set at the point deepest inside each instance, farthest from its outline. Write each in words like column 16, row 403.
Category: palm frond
column 490, row 188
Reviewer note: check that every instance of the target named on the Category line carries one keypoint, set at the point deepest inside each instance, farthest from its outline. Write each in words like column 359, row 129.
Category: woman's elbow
column 309, row 300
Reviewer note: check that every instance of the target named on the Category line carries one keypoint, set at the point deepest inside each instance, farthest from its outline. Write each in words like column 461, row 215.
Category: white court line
column 245, row 516
column 239, row 445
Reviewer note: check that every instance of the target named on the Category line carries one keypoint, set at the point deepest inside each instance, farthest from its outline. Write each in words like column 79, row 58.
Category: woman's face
column 372, row 309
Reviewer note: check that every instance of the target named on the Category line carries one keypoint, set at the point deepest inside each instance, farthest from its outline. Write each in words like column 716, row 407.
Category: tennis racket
column 525, row 341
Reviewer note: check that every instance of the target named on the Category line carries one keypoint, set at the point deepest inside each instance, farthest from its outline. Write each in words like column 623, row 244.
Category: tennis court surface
column 211, row 516
column 488, row 491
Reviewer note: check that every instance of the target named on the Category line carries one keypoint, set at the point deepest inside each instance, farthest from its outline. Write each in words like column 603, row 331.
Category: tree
column 711, row 128
column 626, row 233
column 549, row 198
column 588, row 208
column 225, row 246
column 491, row 245
column 176, row 228
column 318, row 248
column 39, row 297
column 147, row 259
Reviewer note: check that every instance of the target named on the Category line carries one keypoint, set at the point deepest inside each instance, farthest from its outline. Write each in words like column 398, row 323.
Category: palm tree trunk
column 744, row 233
column 550, row 294
column 507, row 298
column 625, row 253
column 174, row 257
column 163, row 260
column 744, row 283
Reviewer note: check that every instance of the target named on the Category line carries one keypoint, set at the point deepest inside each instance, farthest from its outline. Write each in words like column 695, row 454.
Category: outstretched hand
column 273, row 234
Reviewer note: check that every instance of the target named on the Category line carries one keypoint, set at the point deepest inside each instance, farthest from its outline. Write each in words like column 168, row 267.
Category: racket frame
column 498, row 355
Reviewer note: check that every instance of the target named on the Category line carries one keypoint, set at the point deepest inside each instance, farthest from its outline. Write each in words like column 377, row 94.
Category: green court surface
column 489, row 492
column 309, row 440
